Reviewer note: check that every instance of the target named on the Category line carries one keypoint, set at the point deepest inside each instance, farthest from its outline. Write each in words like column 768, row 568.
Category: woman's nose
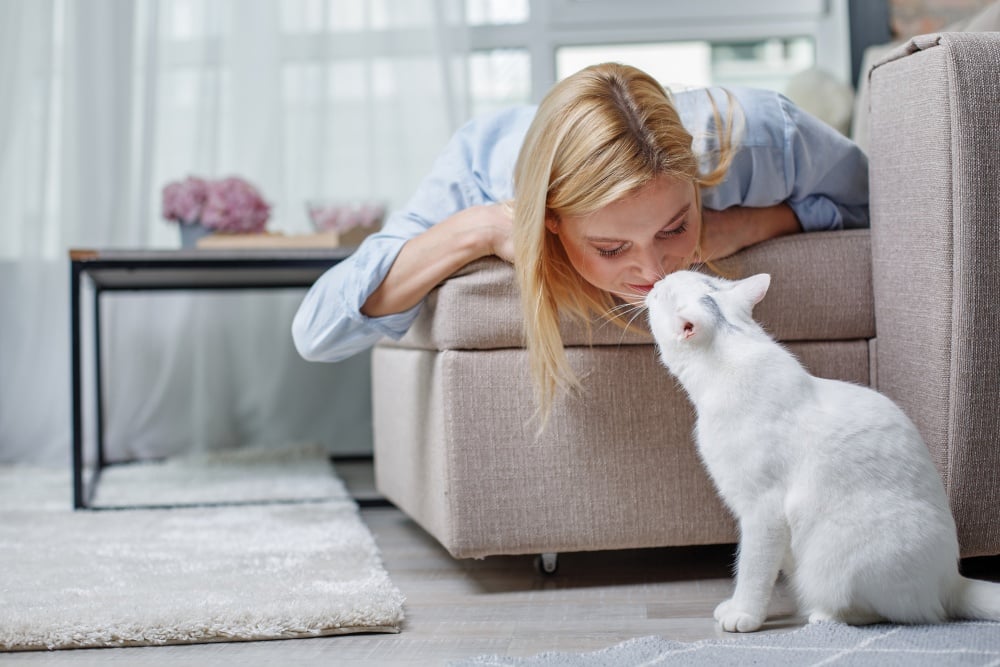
column 651, row 264
column 676, row 259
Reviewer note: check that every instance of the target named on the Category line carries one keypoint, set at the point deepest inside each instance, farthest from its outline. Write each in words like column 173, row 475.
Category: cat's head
column 688, row 310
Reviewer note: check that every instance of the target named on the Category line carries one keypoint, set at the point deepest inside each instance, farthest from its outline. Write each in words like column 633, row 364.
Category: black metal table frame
column 165, row 270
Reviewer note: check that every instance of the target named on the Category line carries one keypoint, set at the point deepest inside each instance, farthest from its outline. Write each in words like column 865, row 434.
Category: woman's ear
column 552, row 224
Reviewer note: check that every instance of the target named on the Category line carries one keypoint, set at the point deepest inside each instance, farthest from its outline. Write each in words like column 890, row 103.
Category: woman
column 610, row 184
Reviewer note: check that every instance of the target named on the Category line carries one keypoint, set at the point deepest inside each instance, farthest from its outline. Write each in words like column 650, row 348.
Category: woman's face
column 629, row 244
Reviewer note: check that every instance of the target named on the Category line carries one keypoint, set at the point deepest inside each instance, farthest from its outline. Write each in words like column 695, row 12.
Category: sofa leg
column 547, row 563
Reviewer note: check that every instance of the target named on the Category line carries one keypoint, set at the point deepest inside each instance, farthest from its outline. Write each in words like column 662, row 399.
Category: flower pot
column 191, row 232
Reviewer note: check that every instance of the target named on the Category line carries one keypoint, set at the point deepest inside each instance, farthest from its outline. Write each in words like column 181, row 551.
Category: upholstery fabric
column 821, row 290
column 935, row 244
column 615, row 468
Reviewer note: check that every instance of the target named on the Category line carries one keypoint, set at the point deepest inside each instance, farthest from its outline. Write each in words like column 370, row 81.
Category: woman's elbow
column 328, row 341
column 307, row 342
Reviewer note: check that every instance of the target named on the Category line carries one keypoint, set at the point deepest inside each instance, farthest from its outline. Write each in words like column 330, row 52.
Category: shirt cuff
column 393, row 326
column 372, row 263
column 817, row 213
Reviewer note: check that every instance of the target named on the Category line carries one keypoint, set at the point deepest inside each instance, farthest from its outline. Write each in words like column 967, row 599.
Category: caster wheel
column 547, row 563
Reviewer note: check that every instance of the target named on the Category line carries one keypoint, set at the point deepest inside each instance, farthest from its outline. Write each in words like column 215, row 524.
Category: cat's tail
column 975, row 600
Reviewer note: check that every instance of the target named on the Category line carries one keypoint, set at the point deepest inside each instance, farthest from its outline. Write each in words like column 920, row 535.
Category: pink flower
column 183, row 200
column 233, row 206
column 229, row 205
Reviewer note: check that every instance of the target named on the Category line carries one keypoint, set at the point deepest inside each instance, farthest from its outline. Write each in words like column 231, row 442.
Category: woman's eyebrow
column 677, row 216
column 680, row 214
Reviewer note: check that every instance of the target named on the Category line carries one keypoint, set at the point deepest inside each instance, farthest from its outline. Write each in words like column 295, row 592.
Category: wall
column 915, row 17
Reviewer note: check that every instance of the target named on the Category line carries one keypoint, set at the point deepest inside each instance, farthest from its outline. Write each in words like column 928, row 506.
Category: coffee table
column 123, row 270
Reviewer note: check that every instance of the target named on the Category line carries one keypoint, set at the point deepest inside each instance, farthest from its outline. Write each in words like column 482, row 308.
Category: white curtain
column 104, row 102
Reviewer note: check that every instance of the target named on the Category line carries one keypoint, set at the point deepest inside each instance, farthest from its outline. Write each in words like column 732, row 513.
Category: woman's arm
column 375, row 292
column 448, row 222
column 727, row 232
column 783, row 155
column 427, row 259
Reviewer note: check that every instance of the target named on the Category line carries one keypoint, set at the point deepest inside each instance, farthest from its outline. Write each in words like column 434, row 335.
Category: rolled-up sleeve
column 783, row 154
column 473, row 169
column 827, row 173
column 329, row 324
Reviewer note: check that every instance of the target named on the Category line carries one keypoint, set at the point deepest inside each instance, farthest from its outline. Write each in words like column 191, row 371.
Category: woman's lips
column 640, row 289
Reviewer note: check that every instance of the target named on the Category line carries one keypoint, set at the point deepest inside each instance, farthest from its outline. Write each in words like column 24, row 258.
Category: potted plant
column 227, row 206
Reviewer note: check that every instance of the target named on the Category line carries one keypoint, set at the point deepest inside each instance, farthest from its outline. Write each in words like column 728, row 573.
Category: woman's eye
column 675, row 231
column 612, row 252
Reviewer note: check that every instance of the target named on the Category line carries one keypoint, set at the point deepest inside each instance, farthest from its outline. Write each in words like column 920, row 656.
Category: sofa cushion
column 820, row 290
column 935, row 120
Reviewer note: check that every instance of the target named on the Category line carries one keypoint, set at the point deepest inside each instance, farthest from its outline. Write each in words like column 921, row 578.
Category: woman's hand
column 725, row 233
column 427, row 259
column 493, row 223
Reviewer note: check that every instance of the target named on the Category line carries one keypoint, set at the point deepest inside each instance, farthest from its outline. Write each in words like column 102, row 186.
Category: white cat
column 830, row 481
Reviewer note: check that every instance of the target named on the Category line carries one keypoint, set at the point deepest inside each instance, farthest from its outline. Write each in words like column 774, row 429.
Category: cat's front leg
column 763, row 544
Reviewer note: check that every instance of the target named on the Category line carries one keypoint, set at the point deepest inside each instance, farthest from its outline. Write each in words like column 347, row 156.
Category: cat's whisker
column 638, row 312
column 631, row 310
column 633, row 296
column 636, row 309
column 618, row 311
column 626, row 305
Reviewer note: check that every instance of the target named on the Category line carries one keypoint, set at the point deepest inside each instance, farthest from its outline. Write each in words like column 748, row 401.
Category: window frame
column 556, row 23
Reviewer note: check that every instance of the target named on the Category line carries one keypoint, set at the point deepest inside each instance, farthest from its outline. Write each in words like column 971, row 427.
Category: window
column 369, row 90
column 683, row 44
column 499, row 78
column 519, row 48
column 766, row 63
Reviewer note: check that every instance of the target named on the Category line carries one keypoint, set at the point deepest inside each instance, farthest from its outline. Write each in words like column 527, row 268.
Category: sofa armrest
column 935, row 209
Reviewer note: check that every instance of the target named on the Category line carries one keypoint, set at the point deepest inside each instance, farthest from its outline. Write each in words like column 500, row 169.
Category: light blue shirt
column 784, row 155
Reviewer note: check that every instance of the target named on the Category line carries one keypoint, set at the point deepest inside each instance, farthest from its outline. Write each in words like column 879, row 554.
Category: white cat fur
column 830, row 481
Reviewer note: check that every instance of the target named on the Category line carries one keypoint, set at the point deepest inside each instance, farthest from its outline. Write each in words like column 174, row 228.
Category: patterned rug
column 826, row 644
column 270, row 567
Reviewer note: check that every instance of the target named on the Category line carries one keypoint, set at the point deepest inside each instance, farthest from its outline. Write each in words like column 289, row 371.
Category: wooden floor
column 500, row 605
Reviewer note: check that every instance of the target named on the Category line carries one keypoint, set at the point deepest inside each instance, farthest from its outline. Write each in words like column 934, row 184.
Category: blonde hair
column 597, row 136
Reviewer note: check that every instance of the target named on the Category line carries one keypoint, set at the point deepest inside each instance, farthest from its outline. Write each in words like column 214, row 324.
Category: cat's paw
column 734, row 619
column 821, row 617
column 847, row 617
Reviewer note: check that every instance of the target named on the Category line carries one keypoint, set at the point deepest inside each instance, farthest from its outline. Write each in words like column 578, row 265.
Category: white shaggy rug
column 190, row 574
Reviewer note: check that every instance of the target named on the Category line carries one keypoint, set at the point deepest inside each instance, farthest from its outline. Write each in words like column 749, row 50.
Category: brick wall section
column 916, row 17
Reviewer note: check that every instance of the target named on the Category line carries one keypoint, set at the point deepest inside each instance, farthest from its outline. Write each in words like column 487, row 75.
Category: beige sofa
column 912, row 307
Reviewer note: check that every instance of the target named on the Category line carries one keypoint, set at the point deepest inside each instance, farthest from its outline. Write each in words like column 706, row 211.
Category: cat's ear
column 753, row 289
column 688, row 330
column 688, row 326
